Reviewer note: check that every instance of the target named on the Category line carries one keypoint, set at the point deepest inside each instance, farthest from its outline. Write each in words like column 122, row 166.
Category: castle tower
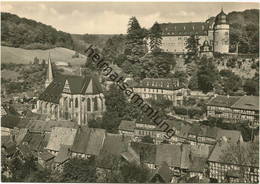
column 221, row 33
column 49, row 77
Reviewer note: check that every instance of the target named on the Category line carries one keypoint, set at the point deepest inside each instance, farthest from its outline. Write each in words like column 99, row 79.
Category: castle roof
column 75, row 85
column 221, row 18
column 184, row 29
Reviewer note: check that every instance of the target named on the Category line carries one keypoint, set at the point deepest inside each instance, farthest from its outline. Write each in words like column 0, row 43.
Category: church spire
column 49, row 78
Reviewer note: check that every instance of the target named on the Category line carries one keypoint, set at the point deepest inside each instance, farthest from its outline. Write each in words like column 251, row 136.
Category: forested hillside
column 29, row 34
column 244, row 30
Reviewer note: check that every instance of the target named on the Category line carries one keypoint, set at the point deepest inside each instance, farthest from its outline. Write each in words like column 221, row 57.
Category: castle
column 212, row 35
column 68, row 97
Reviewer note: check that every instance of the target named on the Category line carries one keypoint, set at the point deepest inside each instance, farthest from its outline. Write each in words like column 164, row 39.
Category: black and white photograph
column 130, row 92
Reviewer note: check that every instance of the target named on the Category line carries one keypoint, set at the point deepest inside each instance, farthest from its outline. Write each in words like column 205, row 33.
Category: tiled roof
column 77, row 85
column 20, row 135
column 159, row 83
column 46, row 126
column 34, row 140
column 185, row 156
column 164, row 172
column 63, row 154
column 169, row 153
column 198, row 164
column 249, row 158
column 131, row 156
column 127, row 125
column 231, row 136
column 223, row 101
column 114, row 145
column 247, row 102
column 10, row 121
column 242, row 102
column 88, row 141
column 45, row 155
column 59, row 136
column 184, row 29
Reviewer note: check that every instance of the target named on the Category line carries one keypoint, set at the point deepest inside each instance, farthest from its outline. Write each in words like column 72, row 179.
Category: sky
column 112, row 17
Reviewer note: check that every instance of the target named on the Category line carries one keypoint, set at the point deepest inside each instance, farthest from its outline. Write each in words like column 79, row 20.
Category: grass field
column 23, row 56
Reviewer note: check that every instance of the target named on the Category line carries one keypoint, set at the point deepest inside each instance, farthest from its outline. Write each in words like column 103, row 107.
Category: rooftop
column 184, row 29
column 61, row 136
column 127, row 125
column 88, row 141
column 71, row 84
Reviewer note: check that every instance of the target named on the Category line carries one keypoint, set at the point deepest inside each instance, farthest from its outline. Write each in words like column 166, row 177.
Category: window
column 88, row 105
column 95, row 104
column 76, row 103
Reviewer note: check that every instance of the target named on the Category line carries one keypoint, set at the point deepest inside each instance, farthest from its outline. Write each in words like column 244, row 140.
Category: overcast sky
column 112, row 18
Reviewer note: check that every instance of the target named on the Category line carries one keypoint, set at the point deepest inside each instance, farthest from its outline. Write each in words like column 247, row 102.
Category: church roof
column 184, row 29
column 49, row 71
column 76, row 84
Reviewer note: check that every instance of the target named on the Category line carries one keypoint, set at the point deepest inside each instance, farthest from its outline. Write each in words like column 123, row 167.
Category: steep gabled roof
column 77, row 85
column 63, row 154
column 61, row 136
column 146, row 151
column 114, row 145
column 88, row 141
column 164, row 172
column 169, row 153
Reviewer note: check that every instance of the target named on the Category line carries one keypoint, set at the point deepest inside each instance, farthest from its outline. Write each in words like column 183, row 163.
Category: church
column 212, row 35
column 71, row 97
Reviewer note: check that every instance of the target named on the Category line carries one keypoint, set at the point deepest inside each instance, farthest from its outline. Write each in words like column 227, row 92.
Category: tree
column 192, row 45
column 135, row 45
column 155, row 37
column 251, row 87
column 79, row 170
column 133, row 173
column 157, row 65
column 230, row 82
column 207, row 75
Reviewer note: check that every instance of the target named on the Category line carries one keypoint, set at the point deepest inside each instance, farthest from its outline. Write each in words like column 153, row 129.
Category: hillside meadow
column 23, row 56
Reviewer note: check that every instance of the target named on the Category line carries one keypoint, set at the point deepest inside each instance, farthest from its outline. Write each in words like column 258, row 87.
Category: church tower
column 221, row 33
column 49, row 77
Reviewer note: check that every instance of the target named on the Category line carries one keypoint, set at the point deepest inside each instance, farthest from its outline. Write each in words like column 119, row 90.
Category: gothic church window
column 95, row 104
column 88, row 105
column 76, row 103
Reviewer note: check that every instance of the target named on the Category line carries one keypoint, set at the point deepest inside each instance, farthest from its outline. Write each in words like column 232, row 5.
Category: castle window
column 226, row 33
column 76, row 103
